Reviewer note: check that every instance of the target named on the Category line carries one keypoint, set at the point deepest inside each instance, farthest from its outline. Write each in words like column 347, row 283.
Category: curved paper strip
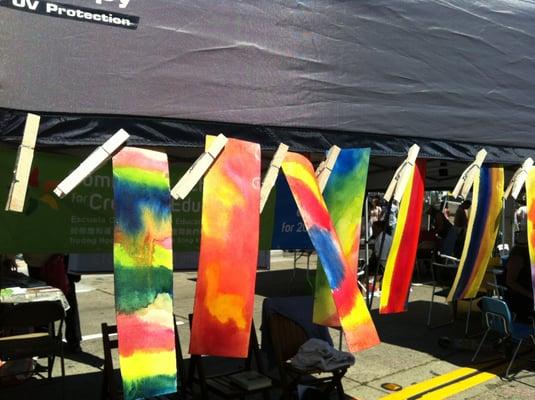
column 483, row 227
column 355, row 319
column 344, row 195
column 402, row 256
column 224, row 296
column 143, row 262
column 530, row 203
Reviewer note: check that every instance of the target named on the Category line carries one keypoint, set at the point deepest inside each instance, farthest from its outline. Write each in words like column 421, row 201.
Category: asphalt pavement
column 426, row 363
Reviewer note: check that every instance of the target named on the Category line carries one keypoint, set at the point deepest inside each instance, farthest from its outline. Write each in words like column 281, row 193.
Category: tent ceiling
column 440, row 174
column 453, row 72
column 79, row 130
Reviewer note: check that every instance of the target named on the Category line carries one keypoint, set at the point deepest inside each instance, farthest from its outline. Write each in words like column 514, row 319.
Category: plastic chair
column 111, row 384
column 37, row 344
column 221, row 381
column 498, row 319
column 286, row 337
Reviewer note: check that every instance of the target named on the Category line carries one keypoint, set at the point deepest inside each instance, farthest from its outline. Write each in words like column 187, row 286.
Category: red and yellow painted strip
column 402, row 256
column 224, row 295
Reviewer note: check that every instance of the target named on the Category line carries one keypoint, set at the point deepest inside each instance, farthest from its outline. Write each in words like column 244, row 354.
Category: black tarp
column 452, row 76
column 72, row 130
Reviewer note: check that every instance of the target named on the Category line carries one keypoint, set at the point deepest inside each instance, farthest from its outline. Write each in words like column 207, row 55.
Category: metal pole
column 503, row 224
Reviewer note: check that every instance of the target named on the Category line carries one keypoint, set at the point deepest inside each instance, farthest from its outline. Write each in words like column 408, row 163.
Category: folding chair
column 443, row 271
column 498, row 319
column 221, row 382
column 111, row 380
column 286, row 338
column 41, row 344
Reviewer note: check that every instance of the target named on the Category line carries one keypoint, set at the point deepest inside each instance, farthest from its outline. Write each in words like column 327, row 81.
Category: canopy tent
column 449, row 75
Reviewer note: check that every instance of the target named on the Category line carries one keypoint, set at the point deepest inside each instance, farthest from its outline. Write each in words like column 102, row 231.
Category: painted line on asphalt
column 465, row 384
column 451, row 383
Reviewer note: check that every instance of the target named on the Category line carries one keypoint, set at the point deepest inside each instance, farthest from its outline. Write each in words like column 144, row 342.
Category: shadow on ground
column 79, row 387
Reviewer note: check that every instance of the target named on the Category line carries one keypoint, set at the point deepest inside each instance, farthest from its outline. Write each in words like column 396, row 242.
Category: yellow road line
column 461, row 386
column 436, row 382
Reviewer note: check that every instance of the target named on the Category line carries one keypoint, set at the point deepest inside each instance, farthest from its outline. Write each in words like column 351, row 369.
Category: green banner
column 82, row 222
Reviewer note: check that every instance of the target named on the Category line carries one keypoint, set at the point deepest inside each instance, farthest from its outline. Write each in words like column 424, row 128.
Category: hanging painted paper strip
column 224, row 296
column 344, row 195
column 530, row 204
column 402, row 255
column 354, row 318
column 143, row 262
column 483, row 225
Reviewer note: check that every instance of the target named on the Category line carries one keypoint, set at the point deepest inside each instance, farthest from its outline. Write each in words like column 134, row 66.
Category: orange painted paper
column 224, row 296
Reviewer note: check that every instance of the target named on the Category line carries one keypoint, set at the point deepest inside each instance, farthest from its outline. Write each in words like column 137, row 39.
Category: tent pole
column 503, row 224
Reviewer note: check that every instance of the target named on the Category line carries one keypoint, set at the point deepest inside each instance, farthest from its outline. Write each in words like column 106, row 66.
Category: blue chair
column 498, row 319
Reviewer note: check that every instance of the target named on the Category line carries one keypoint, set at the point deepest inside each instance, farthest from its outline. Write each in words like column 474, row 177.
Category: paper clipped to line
column 518, row 179
column 466, row 181
column 198, row 168
column 91, row 163
column 326, row 167
column 271, row 175
column 23, row 165
column 399, row 182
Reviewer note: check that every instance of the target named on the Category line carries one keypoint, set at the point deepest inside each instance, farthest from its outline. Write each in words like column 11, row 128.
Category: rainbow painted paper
column 530, row 203
column 402, row 255
column 344, row 196
column 483, row 225
column 354, row 318
column 224, row 296
column 143, row 262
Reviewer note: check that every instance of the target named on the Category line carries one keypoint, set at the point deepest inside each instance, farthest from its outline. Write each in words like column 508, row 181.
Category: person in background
column 35, row 262
column 379, row 228
column 392, row 217
column 519, row 293
column 9, row 275
column 73, row 333
column 445, row 210
column 375, row 213
column 521, row 216
column 440, row 225
column 460, row 224
column 53, row 269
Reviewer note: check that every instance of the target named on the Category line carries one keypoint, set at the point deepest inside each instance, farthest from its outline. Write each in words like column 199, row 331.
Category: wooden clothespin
column 271, row 174
column 399, row 182
column 91, row 163
column 23, row 165
column 518, row 179
column 326, row 167
column 466, row 181
column 197, row 170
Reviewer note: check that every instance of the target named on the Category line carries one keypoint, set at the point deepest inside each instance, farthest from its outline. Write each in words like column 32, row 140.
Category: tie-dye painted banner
column 530, row 204
column 224, row 296
column 354, row 317
column 480, row 239
column 344, row 196
column 143, row 262
column 402, row 255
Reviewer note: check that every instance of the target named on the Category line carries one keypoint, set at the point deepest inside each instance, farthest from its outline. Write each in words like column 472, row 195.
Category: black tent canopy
column 452, row 76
